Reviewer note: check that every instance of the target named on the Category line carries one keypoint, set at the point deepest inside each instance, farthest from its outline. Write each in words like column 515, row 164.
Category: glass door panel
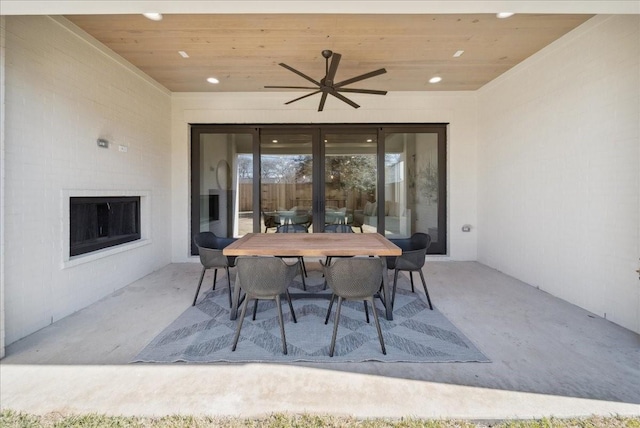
column 245, row 175
column 286, row 180
column 412, row 185
column 350, row 180
column 221, row 189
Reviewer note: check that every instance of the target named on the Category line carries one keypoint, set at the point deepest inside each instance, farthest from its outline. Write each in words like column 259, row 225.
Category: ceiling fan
column 327, row 86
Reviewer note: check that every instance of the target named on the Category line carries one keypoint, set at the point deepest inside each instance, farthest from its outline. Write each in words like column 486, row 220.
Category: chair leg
column 302, row 273
column 304, row 268
column 393, row 292
column 284, row 339
column 293, row 314
column 326, row 320
column 255, row 309
column 366, row 310
column 327, row 262
column 375, row 317
column 242, row 314
column 411, row 277
column 215, row 278
column 382, row 295
column 424, row 285
column 229, row 284
column 204, row 269
column 335, row 328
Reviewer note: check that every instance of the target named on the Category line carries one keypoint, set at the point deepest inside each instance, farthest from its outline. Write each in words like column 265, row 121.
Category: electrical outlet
column 123, row 148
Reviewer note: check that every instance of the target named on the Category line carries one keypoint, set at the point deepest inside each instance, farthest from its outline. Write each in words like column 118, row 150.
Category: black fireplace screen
column 102, row 222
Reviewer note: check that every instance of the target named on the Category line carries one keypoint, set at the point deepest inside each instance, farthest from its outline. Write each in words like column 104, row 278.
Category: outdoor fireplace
column 102, row 222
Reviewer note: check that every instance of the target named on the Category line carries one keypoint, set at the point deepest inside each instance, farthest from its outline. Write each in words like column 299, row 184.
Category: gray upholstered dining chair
column 265, row 278
column 296, row 228
column 414, row 250
column 356, row 278
column 210, row 249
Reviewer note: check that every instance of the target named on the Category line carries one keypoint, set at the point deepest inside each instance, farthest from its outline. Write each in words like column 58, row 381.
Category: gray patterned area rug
column 204, row 333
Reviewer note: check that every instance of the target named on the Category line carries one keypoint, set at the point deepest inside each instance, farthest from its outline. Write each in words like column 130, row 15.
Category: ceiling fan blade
column 322, row 101
column 363, row 91
column 304, row 96
column 344, row 99
column 335, row 61
column 299, row 73
column 290, row 87
column 361, row 77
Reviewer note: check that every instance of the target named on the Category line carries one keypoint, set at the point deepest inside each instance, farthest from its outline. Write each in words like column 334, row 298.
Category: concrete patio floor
column 548, row 358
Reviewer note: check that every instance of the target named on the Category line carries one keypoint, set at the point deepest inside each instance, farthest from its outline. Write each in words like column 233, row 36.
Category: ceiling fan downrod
column 326, row 54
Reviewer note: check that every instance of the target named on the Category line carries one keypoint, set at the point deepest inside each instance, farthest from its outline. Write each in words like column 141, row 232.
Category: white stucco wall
column 62, row 94
column 558, row 169
column 457, row 108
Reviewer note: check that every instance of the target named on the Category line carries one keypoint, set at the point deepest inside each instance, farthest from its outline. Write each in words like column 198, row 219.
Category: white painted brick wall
column 558, row 144
column 2, row 185
column 62, row 94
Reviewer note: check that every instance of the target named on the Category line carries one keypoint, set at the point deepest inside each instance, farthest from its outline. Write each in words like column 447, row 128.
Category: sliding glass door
column 286, row 178
column 350, row 178
column 415, row 194
column 221, row 182
column 389, row 179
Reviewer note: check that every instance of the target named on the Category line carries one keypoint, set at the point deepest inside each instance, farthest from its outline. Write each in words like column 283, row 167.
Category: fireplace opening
column 102, row 222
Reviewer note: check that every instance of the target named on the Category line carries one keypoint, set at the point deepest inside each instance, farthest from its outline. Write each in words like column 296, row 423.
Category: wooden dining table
column 314, row 245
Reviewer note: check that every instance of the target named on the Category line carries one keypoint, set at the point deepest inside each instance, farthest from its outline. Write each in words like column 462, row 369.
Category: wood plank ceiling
column 243, row 50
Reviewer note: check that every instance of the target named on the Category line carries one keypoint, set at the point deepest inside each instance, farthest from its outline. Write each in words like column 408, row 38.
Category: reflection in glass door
column 414, row 186
column 350, row 180
column 221, row 192
column 286, row 180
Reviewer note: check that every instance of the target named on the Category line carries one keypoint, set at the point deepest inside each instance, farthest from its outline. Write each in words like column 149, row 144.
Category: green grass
column 11, row 419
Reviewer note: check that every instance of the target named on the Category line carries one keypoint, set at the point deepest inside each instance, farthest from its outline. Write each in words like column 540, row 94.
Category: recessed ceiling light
column 503, row 15
column 154, row 16
column 458, row 54
column 213, row 80
column 274, row 141
column 435, row 79
column 183, row 54
column 369, row 140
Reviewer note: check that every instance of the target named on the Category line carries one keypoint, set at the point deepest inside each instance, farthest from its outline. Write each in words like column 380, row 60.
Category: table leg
column 385, row 288
column 236, row 298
